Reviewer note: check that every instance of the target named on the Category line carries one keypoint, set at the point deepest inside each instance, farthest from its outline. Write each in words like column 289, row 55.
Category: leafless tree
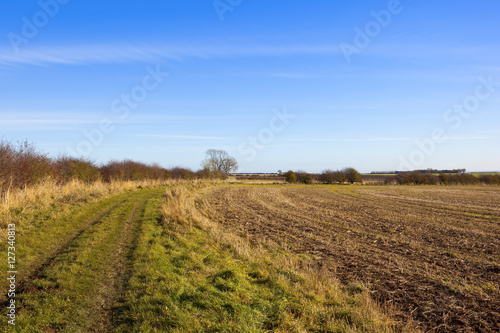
column 219, row 161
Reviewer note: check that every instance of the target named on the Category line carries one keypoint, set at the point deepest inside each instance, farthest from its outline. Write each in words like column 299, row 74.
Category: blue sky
column 279, row 85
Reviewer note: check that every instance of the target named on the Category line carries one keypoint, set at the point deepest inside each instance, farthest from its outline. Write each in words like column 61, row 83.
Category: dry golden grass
column 320, row 289
column 20, row 205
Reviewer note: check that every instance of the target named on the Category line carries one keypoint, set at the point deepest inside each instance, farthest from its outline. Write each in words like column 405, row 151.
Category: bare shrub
column 24, row 165
column 131, row 170
column 332, row 177
column 182, row 173
column 290, row 176
column 352, row 175
column 304, row 177
column 7, row 161
column 70, row 168
column 490, row 179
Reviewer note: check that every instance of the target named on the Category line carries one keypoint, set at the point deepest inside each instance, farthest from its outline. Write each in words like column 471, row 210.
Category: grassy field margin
column 147, row 260
column 190, row 275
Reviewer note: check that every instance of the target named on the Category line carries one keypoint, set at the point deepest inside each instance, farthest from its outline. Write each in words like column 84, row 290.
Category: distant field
column 218, row 257
column 479, row 174
column 256, row 178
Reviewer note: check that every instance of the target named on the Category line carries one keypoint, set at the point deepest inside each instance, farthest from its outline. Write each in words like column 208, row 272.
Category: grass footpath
column 70, row 270
column 46, row 225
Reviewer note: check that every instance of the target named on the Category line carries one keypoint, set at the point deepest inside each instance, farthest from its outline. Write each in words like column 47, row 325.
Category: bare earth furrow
column 437, row 266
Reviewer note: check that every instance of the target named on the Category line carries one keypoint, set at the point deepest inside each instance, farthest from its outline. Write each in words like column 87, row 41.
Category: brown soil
column 429, row 254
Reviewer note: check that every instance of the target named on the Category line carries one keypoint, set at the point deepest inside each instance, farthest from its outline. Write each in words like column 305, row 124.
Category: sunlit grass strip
column 41, row 234
column 78, row 290
column 187, row 278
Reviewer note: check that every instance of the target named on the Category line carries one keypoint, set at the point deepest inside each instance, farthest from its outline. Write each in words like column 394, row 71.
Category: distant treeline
column 434, row 171
column 349, row 175
column 255, row 174
column 421, row 178
column 22, row 165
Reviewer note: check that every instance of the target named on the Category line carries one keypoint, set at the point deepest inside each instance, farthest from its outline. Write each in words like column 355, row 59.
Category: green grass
column 479, row 174
column 75, row 291
column 184, row 280
column 41, row 233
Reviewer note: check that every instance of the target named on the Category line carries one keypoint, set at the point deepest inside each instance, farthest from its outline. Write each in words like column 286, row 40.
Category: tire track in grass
column 35, row 252
column 121, row 308
column 122, row 319
column 35, row 271
column 76, row 291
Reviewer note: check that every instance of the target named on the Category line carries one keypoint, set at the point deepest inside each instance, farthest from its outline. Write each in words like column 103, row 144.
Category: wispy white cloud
column 42, row 124
column 489, row 132
column 184, row 149
column 451, row 138
column 433, row 50
column 472, row 137
column 176, row 149
column 148, row 52
column 121, row 53
column 350, row 139
column 49, row 123
column 188, row 137
column 289, row 75
column 14, row 122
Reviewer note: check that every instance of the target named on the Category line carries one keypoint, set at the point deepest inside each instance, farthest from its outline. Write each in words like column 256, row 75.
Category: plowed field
column 431, row 255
